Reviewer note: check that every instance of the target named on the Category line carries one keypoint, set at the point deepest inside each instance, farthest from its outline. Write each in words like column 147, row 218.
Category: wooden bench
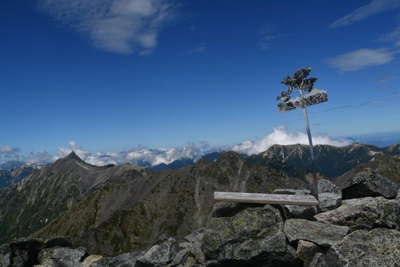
column 298, row 200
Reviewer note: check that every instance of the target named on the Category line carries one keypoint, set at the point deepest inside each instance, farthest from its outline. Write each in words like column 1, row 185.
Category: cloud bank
column 140, row 155
column 10, row 154
column 362, row 58
column 120, row 26
column 374, row 7
column 155, row 156
column 393, row 36
column 152, row 157
column 281, row 136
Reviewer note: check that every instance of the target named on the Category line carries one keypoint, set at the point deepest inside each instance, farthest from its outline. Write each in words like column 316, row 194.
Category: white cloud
column 266, row 41
column 139, row 154
column 268, row 34
column 6, row 149
column 362, row 58
column 281, row 136
column 200, row 48
column 8, row 153
column 43, row 157
column 151, row 157
column 374, row 7
column 120, row 26
column 157, row 156
column 393, row 36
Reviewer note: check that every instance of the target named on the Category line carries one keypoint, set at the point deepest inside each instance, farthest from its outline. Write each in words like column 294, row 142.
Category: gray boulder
column 123, row 260
column 306, row 251
column 303, row 212
column 398, row 195
column 29, row 252
column 294, row 211
column 61, row 256
column 20, row 253
column 190, row 253
column 369, row 183
column 88, row 261
column 253, row 235
column 229, row 209
column 160, row 254
column 323, row 234
column 329, row 195
column 364, row 213
column 5, row 256
column 378, row 247
column 318, row 260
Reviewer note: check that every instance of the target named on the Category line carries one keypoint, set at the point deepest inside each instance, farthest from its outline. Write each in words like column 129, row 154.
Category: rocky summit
column 73, row 214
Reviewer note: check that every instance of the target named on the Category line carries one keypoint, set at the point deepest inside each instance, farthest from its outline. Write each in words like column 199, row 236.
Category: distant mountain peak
column 73, row 156
column 72, row 160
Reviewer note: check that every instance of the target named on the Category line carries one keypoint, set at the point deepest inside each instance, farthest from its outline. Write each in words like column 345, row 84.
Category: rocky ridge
column 126, row 212
column 330, row 161
column 360, row 232
column 17, row 173
column 33, row 202
column 153, row 205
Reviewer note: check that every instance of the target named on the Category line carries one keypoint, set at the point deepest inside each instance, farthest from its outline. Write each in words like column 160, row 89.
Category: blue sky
column 112, row 74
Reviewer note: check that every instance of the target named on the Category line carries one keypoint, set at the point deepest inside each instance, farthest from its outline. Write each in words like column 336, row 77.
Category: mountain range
column 12, row 172
column 167, row 158
column 119, row 208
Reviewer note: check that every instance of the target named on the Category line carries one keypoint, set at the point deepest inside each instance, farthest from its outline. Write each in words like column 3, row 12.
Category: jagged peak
column 73, row 158
column 73, row 155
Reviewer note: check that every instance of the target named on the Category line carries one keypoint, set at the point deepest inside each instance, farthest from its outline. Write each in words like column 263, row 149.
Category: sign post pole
column 308, row 129
column 300, row 81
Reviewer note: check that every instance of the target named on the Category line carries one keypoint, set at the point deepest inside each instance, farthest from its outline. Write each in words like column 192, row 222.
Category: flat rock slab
column 378, row 247
column 364, row 213
column 322, row 234
column 254, row 234
column 329, row 195
column 300, row 200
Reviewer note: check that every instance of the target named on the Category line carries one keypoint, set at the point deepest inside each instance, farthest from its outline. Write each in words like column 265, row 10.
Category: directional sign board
column 316, row 96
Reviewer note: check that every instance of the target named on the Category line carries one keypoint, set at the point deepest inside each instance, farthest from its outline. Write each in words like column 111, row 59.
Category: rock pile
column 362, row 231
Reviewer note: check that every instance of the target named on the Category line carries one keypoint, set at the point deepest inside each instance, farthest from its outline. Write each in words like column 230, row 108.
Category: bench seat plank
column 299, row 200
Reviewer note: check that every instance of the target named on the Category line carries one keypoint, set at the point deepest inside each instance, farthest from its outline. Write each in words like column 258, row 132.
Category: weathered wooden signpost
column 308, row 96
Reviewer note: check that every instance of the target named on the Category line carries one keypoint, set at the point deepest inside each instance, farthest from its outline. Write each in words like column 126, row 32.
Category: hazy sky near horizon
column 111, row 74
